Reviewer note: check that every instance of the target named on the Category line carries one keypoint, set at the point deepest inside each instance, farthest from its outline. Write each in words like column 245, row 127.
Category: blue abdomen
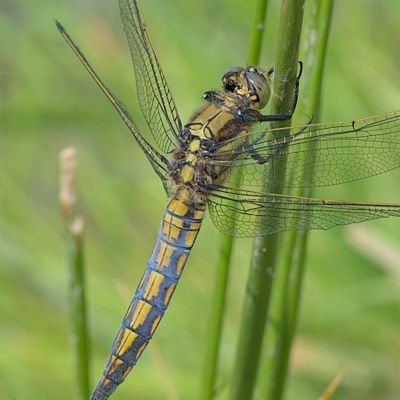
column 179, row 229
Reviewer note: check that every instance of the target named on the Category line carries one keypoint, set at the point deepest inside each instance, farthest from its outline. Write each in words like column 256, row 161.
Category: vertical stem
column 215, row 324
column 266, row 249
column 210, row 366
column 75, row 266
column 287, row 289
column 257, row 32
column 312, row 107
column 77, row 301
column 277, row 332
column 254, row 314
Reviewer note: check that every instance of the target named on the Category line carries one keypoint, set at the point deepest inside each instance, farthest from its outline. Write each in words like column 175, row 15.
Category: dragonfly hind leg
column 261, row 159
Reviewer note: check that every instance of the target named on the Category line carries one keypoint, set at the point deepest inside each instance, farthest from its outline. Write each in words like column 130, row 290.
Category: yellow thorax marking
column 191, row 159
column 202, row 130
column 187, row 173
column 204, row 120
column 194, row 145
column 205, row 131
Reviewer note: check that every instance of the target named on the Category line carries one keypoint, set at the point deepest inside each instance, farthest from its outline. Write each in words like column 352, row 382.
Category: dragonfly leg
column 256, row 156
column 260, row 159
column 213, row 97
column 255, row 116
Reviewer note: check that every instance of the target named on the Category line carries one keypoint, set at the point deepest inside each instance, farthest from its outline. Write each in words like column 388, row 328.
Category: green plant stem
column 266, row 249
column 257, row 32
column 287, row 288
column 277, row 331
column 75, row 270
column 79, row 332
column 210, row 366
column 312, row 107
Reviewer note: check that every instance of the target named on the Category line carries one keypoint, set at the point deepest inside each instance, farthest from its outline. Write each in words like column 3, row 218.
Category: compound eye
column 252, row 69
column 230, row 85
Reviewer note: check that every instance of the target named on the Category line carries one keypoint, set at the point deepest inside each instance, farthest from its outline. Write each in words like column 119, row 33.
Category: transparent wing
column 316, row 154
column 157, row 160
column 241, row 213
column 154, row 96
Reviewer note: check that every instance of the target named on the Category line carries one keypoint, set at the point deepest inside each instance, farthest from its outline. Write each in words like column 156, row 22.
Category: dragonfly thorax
column 189, row 162
column 250, row 83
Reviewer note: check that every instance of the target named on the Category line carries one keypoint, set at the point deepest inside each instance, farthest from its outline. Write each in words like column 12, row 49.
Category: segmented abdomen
column 179, row 229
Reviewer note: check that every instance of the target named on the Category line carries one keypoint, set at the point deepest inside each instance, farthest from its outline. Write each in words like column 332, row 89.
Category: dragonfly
column 225, row 159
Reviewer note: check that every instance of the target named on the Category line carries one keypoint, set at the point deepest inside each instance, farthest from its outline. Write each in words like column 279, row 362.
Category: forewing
column 317, row 154
column 154, row 96
column 243, row 213
column 157, row 160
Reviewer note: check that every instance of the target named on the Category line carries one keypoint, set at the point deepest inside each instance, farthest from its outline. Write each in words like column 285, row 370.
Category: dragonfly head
column 249, row 82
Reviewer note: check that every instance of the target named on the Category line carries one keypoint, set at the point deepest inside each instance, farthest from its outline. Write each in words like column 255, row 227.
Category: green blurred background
column 351, row 309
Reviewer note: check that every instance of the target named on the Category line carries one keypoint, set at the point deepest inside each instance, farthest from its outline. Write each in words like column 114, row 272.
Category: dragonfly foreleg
column 255, row 116
column 214, row 97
